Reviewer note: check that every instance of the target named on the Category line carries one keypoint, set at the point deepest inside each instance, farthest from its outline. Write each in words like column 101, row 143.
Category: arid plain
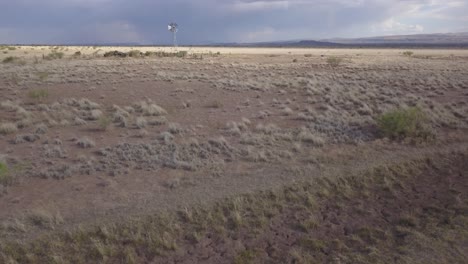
column 233, row 155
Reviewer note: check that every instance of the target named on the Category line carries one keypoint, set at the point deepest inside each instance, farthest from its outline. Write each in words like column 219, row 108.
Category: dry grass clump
column 142, row 133
column 104, row 122
column 19, row 139
column 306, row 136
column 79, row 122
column 264, row 114
column 95, row 115
column 149, row 109
column 44, row 219
column 141, row 122
column 214, row 104
column 175, row 128
column 9, row 105
column 41, row 129
column 157, row 121
column 267, row 129
column 8, row 128
column 408, row 53
column 85, row 142
column 85, row 104
column 287, row 111
column 54, row 55
column 235, row 128
column 334, row 61
column 120, row 116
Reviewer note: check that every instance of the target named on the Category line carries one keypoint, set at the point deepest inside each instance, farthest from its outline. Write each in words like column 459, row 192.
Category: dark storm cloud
column 144, row 21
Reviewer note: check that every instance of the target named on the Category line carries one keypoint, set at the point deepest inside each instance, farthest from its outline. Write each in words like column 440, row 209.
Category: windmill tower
column 173, row 27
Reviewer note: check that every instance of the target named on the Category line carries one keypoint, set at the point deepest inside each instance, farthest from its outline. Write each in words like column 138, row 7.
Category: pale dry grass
column 8, row 128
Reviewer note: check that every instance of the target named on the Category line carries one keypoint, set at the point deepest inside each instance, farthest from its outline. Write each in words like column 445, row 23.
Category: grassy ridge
column 376, row 217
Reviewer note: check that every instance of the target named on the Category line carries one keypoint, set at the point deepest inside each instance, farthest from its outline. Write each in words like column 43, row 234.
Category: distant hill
column 419, row 40
column 442, row 39
column 293, row 43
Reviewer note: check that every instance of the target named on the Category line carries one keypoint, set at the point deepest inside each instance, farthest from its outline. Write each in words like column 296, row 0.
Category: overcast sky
column 201, row 21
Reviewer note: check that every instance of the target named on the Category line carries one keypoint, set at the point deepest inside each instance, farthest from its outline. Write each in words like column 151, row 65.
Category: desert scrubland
column 233, row 155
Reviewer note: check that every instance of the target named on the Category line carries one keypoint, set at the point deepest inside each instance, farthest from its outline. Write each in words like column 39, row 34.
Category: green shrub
column 5, row 178
column 402, row 123
column 10, row 59
column 11, row 48
column 115, row 53
column 38, row 94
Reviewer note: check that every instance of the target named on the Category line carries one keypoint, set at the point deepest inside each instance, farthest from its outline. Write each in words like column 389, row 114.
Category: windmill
column 173, row 27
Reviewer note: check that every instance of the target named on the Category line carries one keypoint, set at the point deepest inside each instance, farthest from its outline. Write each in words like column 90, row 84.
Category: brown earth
column 171, row 133
column 403, row 214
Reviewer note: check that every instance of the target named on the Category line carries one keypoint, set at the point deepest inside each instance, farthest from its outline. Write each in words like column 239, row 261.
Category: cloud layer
column 202, row 21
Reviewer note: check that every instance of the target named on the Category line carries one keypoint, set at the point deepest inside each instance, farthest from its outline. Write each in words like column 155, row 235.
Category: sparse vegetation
column 276, row 162
column 158, row 237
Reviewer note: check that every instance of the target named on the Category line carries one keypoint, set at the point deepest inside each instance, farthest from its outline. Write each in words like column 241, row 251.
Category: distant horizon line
column 332, row 40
